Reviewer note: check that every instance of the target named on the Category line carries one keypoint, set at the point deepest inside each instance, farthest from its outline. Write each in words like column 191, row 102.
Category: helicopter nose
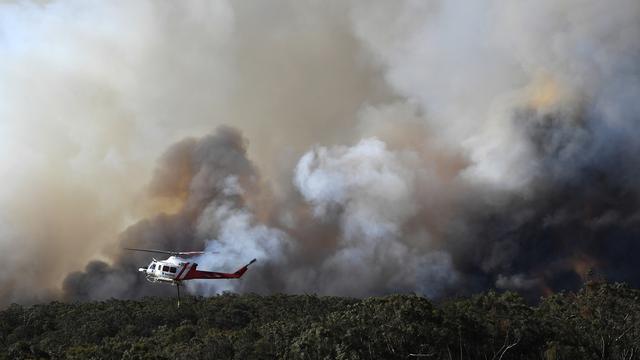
column 142, row 269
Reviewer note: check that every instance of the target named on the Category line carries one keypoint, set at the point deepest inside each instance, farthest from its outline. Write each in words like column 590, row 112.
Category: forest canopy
column 601, row 321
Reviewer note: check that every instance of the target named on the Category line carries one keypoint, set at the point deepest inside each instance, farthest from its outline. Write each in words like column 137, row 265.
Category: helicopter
column 177, row 269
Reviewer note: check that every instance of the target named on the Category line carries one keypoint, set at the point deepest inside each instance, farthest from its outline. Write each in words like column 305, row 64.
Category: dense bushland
column 601, row 321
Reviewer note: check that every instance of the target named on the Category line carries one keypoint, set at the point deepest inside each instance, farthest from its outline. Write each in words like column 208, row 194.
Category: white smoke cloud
column 236, row 237
column 371, row 191
column 470, row 66
column 369, row 183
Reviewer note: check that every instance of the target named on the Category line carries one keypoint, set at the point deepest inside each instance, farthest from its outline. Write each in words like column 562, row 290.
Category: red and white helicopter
column 176, row 269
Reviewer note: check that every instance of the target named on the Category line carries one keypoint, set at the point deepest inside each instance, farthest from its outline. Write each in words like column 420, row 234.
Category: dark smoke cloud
column 337, row 233
column 351, row 226
column 194, row 172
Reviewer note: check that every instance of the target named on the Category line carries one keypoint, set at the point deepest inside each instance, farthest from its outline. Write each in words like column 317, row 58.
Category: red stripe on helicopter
column 187, row 270
column 182, row 270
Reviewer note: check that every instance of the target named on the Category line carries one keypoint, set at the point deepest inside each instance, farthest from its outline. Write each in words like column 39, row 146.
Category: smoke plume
column 355, row 148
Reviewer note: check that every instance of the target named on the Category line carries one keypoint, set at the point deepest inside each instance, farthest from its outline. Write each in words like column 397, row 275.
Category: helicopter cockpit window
column 152, row 267
column 173, row 270
column 165, row 268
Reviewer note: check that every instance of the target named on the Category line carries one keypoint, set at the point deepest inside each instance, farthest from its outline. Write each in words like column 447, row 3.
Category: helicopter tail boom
column 194, row 273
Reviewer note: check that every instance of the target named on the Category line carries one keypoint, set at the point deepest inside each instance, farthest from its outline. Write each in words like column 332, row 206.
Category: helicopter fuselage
column 175, row 270
column 169, row 270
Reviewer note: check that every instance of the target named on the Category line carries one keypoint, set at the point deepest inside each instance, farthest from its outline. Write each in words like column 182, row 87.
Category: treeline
column 601, row 321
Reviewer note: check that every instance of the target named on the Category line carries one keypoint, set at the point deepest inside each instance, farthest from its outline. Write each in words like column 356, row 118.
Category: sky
column 355, row 148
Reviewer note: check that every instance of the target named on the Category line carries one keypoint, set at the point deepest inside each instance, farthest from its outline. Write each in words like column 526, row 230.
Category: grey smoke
column 200, row 174
column 439, row 147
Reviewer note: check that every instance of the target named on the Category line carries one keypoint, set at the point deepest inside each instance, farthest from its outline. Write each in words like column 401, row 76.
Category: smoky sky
column 354, row 148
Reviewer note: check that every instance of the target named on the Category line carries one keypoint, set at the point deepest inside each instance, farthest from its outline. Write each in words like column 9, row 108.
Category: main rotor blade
column 189, row 253
column 185, row 253
column 151, row 251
